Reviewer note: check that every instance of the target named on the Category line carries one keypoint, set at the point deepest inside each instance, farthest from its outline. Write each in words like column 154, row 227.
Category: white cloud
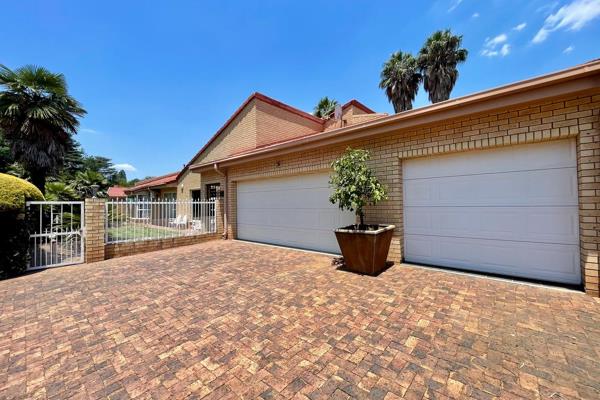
column 495, row 41
column 489, row 53
column 125, row 167
column 88, row 130
column 520, row 27
column 490, row 46
column 568, row 49
column 454, row 4
column 547, row 8
column 573, row 17
column 475, row 15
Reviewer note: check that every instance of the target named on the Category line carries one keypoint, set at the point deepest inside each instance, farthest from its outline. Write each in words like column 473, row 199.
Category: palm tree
column 60, row 191
column 437, row 60
column 325, row 107
column 38, row 118
column 89, row 183
column 400, row 77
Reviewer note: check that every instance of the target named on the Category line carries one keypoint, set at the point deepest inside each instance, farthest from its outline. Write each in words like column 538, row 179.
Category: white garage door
column 292, row 211
column 511, row 211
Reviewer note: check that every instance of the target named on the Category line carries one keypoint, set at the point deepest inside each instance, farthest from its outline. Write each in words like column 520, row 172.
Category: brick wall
column 576, row 117
column 114, row 250
column 240, row 135
column 189, row 181
column 277, row 125
column 94, row 229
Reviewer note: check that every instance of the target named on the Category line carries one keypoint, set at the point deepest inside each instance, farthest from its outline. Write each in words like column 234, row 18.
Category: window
column 143, row 208
column 170, row 208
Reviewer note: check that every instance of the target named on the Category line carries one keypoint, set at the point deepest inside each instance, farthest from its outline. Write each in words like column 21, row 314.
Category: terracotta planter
column 365, row 251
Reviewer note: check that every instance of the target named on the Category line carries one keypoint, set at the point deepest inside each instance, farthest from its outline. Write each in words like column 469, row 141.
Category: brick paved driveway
column 232, row 319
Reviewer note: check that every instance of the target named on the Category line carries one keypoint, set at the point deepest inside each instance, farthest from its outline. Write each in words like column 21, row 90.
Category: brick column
column 219, row 214
column 588, row 153
column 94, row 229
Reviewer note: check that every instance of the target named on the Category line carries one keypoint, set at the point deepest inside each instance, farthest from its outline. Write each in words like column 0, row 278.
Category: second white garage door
column 512, row 211
column 292, row 211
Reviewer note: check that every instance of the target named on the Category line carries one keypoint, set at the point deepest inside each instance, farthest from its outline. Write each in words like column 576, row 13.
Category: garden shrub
column 14, row 192
column 15, row 226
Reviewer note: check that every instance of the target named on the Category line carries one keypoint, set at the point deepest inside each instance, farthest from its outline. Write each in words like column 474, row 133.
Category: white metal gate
column 57, row 238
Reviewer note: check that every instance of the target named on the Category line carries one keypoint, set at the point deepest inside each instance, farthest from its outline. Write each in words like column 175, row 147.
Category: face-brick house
column 503, row 181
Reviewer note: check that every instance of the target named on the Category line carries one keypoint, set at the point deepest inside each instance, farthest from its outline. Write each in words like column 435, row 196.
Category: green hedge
column 14, row 192
column 14, row 234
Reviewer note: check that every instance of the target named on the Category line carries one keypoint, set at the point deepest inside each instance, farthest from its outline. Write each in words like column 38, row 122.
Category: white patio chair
column 196, row 225
column 175, row 221
column 183, row 222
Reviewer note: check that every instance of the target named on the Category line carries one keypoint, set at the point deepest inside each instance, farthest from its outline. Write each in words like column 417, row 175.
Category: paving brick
column 227, row 319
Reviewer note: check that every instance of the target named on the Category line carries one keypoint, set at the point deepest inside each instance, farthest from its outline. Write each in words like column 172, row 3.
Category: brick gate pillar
column 219, row 215
column 95, row 210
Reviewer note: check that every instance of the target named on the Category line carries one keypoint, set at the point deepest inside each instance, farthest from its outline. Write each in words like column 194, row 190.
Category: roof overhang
column 579, row 79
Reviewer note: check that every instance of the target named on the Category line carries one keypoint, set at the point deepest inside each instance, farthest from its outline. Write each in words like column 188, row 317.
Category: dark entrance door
column 196, row 196
column 212, row 190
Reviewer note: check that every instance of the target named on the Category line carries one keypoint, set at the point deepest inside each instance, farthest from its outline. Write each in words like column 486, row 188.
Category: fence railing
column 56, row 238
column 134, row 221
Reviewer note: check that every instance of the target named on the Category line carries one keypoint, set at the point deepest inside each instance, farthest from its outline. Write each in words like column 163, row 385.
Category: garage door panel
column 510, row 211
column 548, row 155
column 293, row 211
column 554, row 262
column 522, row 188
column 539, row 224
column 284, row 184
column 302, row 219
column 296, row 198
column 289, row 236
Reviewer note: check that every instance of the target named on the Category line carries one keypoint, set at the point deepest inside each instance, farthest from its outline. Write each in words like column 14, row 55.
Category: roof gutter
column 578, row 79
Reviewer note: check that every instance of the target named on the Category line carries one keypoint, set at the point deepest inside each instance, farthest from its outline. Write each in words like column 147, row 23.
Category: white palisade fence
column 57, row 233
column 134, row 221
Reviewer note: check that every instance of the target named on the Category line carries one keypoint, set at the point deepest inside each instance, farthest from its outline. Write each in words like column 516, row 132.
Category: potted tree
column 364, row 247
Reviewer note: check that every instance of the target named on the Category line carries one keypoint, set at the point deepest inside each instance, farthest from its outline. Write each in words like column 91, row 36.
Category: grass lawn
column 140, row 232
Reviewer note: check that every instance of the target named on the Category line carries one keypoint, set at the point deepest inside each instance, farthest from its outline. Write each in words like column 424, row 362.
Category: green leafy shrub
column 14, row 234
column 14, row 192
column 354, row 183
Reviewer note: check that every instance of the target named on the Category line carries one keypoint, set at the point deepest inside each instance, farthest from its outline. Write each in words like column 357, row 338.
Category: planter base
column 365, row 251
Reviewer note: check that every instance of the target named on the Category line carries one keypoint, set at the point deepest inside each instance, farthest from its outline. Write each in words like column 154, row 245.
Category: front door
column 212, row 190
column 196, row 197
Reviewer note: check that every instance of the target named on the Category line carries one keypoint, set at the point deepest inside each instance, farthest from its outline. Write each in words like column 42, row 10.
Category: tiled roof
column 266, row 99
column 503, row 95
column 116, row 191
column 152, row 182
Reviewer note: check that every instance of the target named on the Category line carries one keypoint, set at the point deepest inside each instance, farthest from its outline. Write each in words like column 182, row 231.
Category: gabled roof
column 358, row 104
column 116, row 191
column 153, row 182
column 258, row 96
column 571, row 80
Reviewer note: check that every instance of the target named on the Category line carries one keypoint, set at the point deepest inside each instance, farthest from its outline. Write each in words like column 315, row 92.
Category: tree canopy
column 38, row 118
column 354, row 183
column 38, row 121
column 325, row 107
column 400, row 77
column 438, row 60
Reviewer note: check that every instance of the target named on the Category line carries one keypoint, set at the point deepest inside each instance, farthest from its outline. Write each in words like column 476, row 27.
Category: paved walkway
column 232, row 320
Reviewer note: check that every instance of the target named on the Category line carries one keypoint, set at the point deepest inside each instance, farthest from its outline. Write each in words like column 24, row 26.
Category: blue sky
column 158, row 78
